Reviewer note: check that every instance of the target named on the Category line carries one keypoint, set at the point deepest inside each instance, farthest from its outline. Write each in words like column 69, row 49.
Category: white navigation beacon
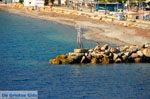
column 79, row 41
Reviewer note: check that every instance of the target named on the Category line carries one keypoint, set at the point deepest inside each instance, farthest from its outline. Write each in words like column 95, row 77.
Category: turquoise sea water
column 27, row 44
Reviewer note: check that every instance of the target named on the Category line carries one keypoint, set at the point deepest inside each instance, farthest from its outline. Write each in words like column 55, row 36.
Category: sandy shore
column 97, row 31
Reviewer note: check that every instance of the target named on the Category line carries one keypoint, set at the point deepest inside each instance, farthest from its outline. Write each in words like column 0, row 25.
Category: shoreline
column 98, row 31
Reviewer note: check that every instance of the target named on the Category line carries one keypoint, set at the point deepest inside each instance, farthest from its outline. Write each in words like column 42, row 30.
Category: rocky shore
column 106, row 55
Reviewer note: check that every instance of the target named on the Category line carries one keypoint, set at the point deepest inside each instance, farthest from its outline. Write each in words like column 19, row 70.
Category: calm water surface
column 27, row 44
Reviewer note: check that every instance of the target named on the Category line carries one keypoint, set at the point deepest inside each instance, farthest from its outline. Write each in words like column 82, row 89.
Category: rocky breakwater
column 21, row 6
column 106, row 55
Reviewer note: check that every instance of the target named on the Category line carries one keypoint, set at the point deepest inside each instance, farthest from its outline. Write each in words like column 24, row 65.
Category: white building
column 63, row 2
column 39, row 3
column 15, row 0
column 9, row 1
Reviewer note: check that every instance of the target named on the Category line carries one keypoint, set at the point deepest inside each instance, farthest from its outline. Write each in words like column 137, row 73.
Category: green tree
column 52, row 1
column 21, row 1
column 46, row 2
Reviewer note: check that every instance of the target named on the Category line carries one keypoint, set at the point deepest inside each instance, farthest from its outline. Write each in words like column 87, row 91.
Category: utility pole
column 105, row 7
column 117, row 6
column 139, row 6
column 128, row 5
column 143, row 9
column 77, row 4
column 68, row 3
column 91, row 7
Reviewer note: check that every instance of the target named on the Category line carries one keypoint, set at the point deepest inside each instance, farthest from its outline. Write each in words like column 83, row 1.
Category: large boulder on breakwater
column 105, row 60
column 147, row 45
column 54, row 61
column 134, row 55
column 85, row 59
column 58, row 59
column 104, row 47
column 81, row 50
column 146, row 52
column 114, row 50
column 71, row 60
column 124, row 48
column 94, row 60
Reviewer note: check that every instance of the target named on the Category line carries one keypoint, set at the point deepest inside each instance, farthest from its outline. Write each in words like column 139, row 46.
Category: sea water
column 27, row 44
